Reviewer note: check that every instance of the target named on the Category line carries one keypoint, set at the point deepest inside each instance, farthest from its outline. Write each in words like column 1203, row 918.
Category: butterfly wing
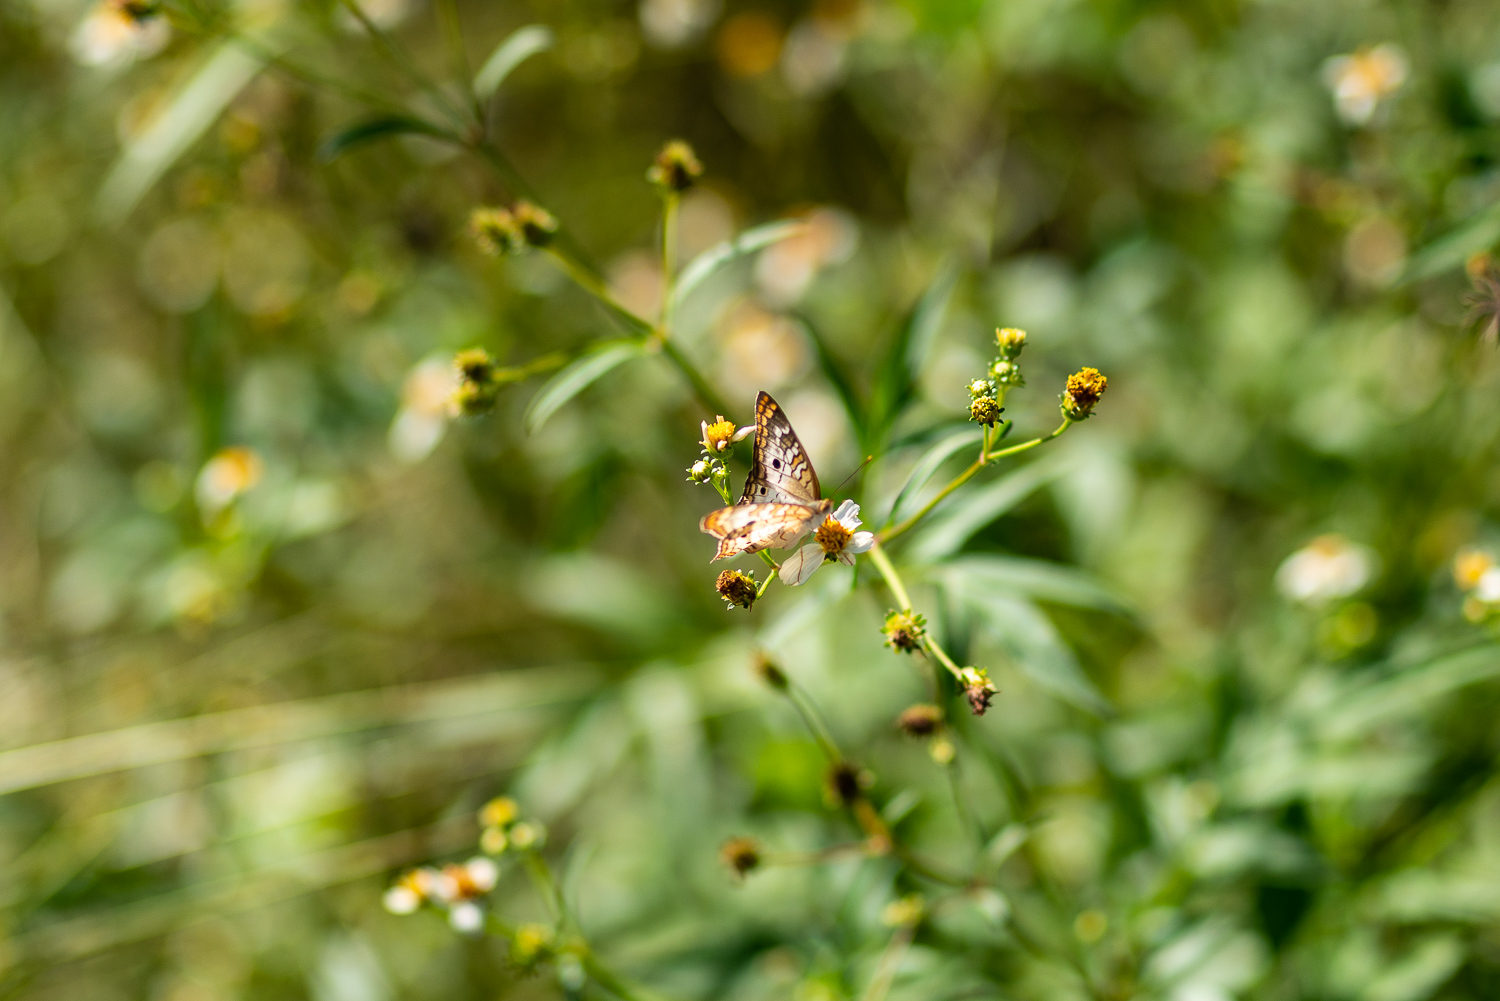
column 781, row 472
column 749, row 528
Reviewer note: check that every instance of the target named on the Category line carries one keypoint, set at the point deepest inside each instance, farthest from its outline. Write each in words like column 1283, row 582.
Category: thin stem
column 890, row 962
column 611, row 982
column 942, row 656
column 670, row 203
column 766, row 584
column 707, row 395
column 453, row 35
column 399, row 59
column 892, row 578
column 594, row 286
column 965, row 477
column 813, row 720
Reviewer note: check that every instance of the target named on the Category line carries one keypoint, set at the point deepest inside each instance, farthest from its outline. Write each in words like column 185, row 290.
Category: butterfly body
column 782, row 500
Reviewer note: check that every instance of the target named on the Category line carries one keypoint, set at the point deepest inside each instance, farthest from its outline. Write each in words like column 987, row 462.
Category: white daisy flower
column 836, row 540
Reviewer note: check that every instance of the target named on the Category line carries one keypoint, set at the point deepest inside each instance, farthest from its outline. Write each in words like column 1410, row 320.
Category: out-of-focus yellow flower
column 232, row 471
column 1361, row 80
column 749, row 43
column 117, row 30
column 1469, row 567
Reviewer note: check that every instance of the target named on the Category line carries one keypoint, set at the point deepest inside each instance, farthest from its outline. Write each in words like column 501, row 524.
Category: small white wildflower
column 1328, row 567
column 466, row 917
column 836, row 539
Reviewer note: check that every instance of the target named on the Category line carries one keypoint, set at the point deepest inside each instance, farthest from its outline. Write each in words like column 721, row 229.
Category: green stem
column 670, row 203
column 594, row 286
column 606, row 978
column 965, row 477
column 766, row 584
column 399, row 59
column 453, row 35
column 892, row 578
column 813, row 720
column 707, row 395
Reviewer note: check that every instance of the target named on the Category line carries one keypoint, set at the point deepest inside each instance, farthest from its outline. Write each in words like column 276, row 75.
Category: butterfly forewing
column 782, row 500
column 780, row 471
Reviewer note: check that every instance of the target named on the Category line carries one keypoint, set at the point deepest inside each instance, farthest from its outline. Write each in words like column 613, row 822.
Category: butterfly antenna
column 868, row 459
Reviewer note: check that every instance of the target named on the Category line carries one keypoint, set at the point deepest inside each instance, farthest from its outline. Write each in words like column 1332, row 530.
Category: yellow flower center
column 718, row 435
column 833, row 536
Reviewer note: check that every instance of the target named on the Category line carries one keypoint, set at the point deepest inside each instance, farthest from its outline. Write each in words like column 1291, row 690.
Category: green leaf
column 946, row 534
column 1451, row 250
column 1033, row 642
column 1035, row 579
column 834, row 373
column 1408, row 692
column 928, row 465
column 372, row 129
column 705, row 264
column 896, row 377
column 520, row 45
column 577, row 377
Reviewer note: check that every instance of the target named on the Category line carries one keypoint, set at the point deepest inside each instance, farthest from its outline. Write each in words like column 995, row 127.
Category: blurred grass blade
column 1409, row 692
column 277, row 723
column 834, row 373
column 372, row 129
column 896, row 377
column 705, row 264
column 521, row 45
column 1031, row 639
column 194, row 107
column 577, row 377
column 1452, row 250
column 947, row 532
column 1036, row 579
column 927, row 465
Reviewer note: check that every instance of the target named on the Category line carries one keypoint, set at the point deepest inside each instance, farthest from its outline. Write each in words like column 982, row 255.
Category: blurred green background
column 274, row 626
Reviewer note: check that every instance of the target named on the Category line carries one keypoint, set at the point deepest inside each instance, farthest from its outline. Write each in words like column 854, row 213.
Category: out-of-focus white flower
column 118, row 31
column 669, row 24
column 812, row 60
column 466, row 917
column 426, row 408
column 231, row 472
column 836, row 539
column 1488, row 587
column 1361, row 80
column 760, row 349
column 785, row 269
column 1328, row 567
column 415, row 887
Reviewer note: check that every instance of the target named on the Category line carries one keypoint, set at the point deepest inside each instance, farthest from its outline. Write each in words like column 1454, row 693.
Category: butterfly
column 782, row 500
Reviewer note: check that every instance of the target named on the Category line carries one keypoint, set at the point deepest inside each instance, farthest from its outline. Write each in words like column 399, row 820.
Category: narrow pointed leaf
column 577, row 377
column 370, row 130
column 1452, row 249
column 1038, row 580
column 927, row 465
column 896, row 377
column 705, row 264
column 520, row 45
column 974, row 509
column 834, row 373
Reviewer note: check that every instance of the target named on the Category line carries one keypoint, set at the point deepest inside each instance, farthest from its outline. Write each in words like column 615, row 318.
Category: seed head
column 700, row 471
column 532, row 944
column 495, row 230
column 1484, row 302
column 1010, row 341
column 741, row 855
column 920, row 720
column 478, row 389
column 736, row 588
column 847, row 783
column 978, row 688
column 984, row 411
column 904, row 631
column 1084, row 389
column 676, row 167
column 770, row 672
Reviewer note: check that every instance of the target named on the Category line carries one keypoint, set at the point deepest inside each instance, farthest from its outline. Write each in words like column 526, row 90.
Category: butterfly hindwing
column 780, row 471
column 749, row 528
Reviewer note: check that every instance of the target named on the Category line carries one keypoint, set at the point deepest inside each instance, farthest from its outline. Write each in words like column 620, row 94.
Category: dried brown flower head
column 736, row 588
column 770, row 672
column 676, row 168
column 742, row 855
column 534, row 223
column 1084, row 389
column 977, row 688
column 921, row 720
column 478, row 389
column 847, row 783
column 904, row 631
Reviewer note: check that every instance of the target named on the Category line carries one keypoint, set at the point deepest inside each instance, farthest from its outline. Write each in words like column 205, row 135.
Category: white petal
column 744, row 432
column 861, row 543
column 845, row 558
column 801, row 565
column 845, row 511
column 466, row 917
